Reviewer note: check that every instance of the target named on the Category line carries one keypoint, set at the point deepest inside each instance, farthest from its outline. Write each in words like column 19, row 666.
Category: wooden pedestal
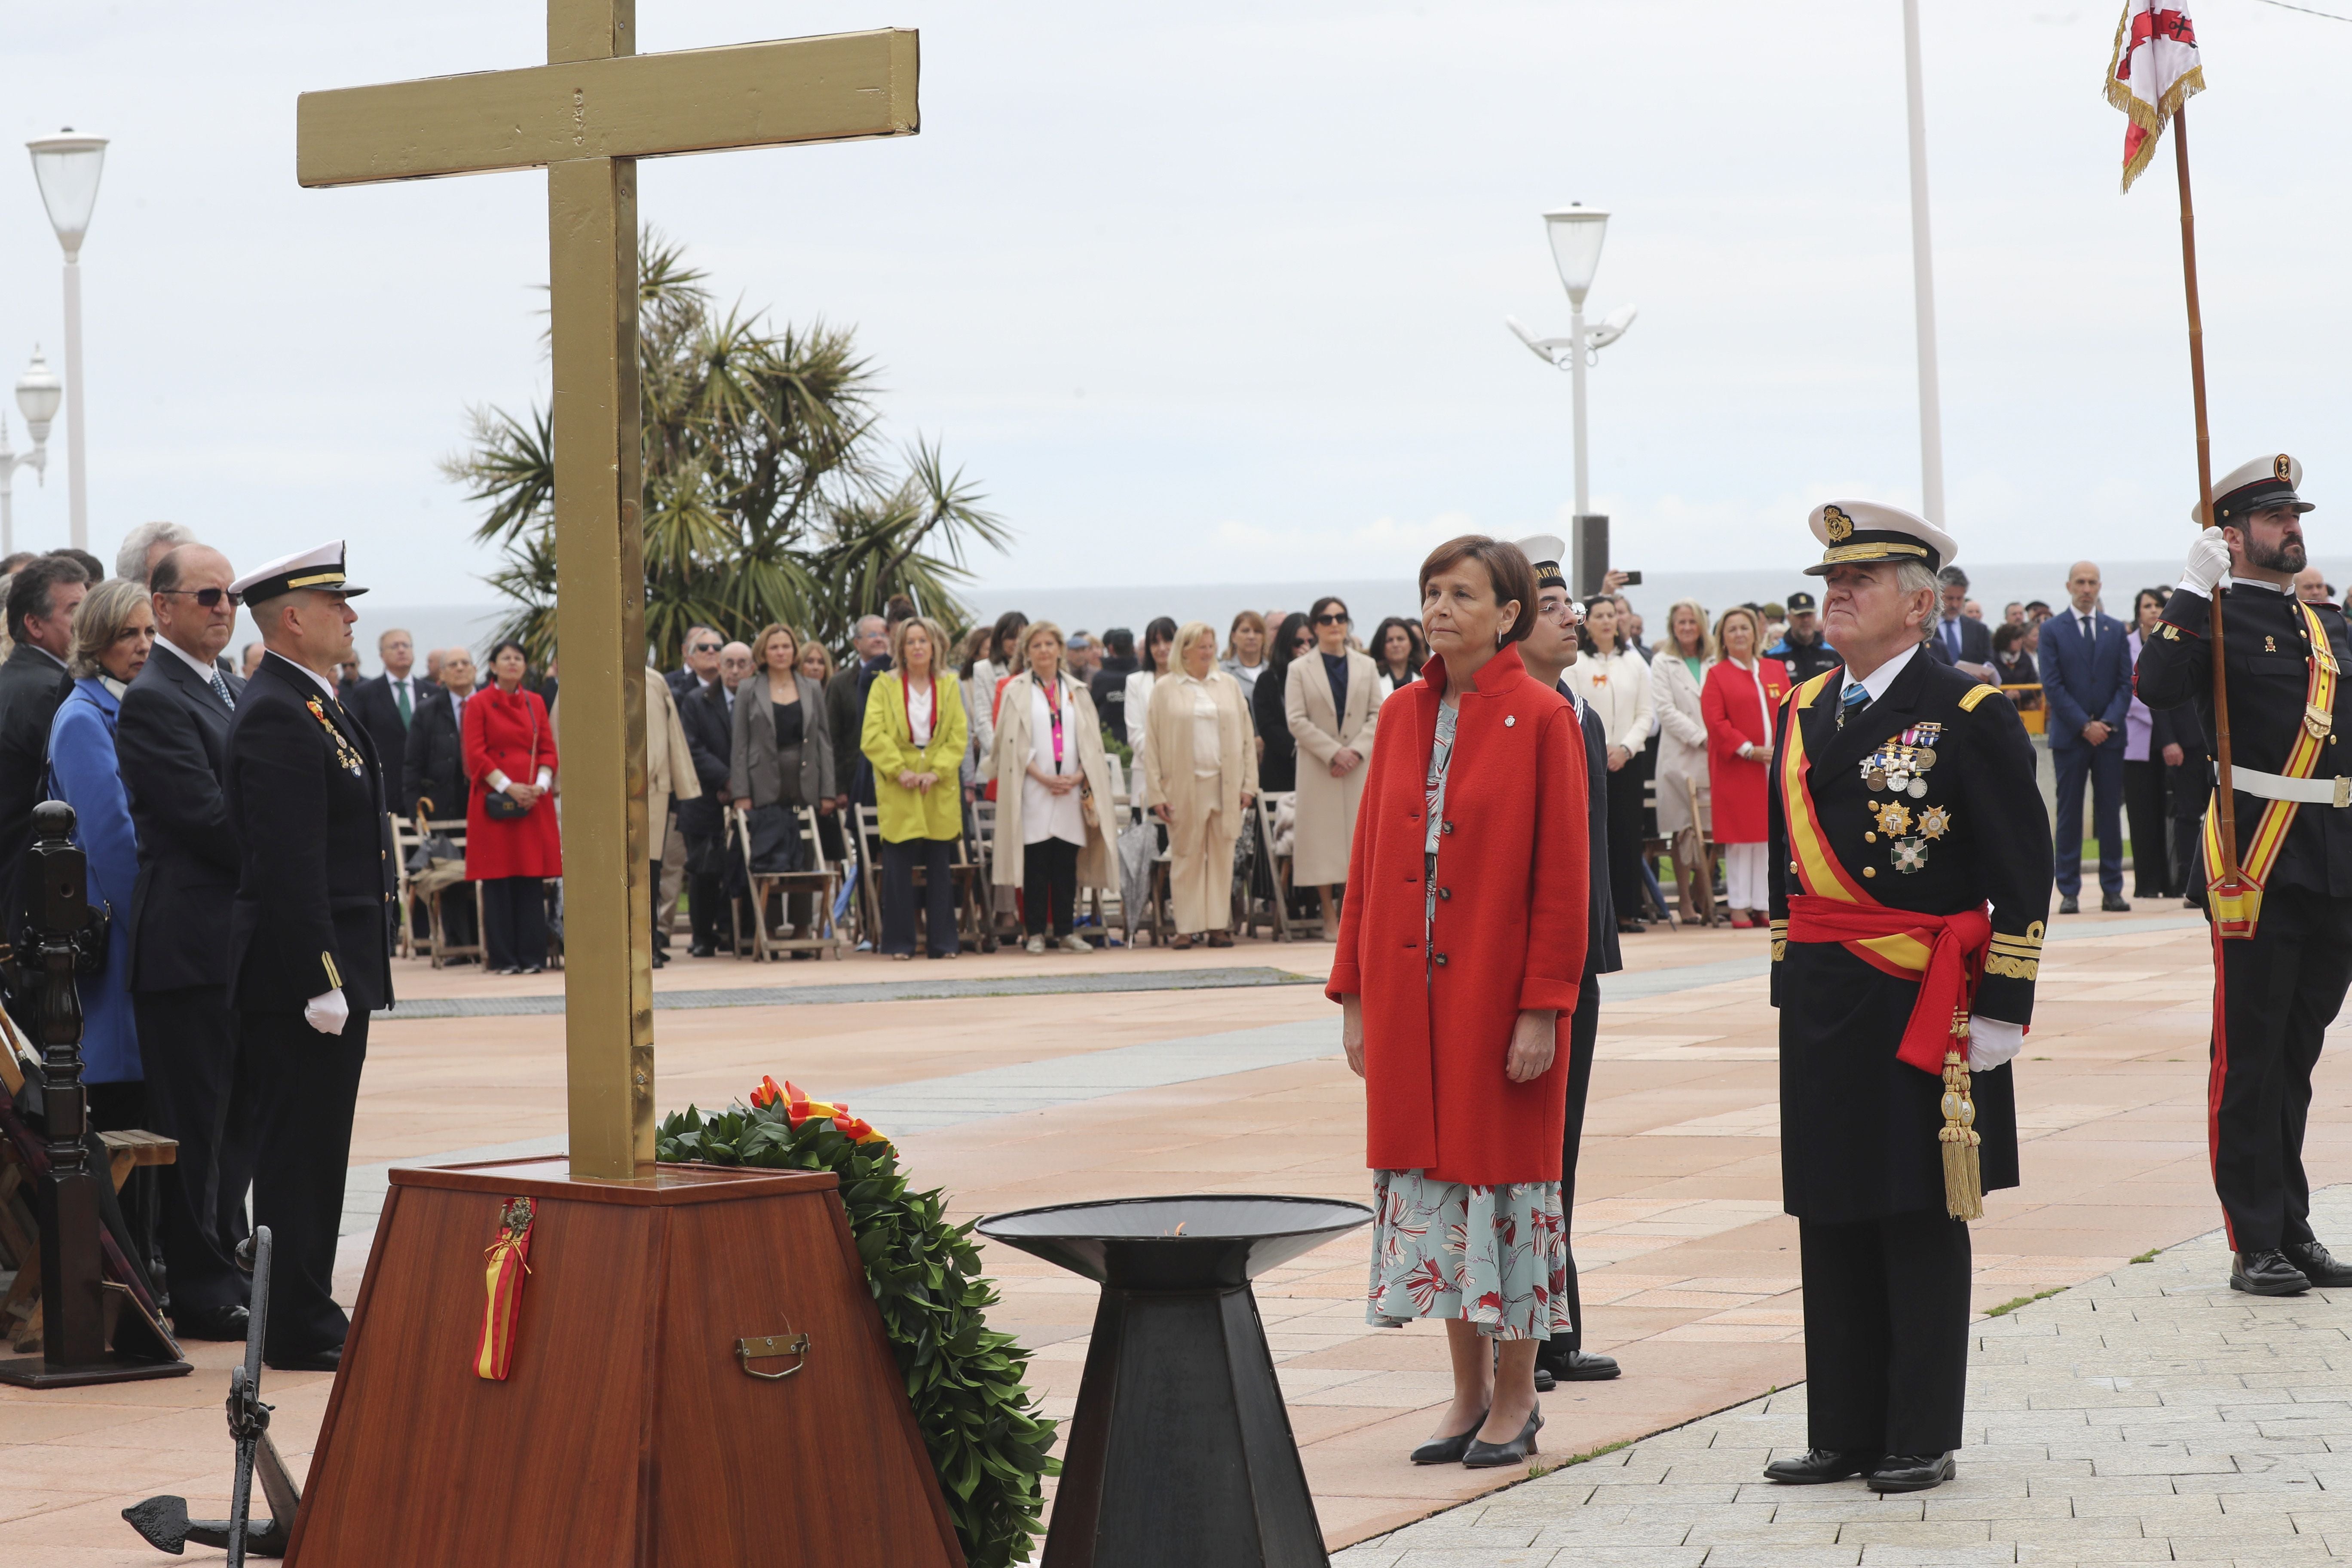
column 629, row 1435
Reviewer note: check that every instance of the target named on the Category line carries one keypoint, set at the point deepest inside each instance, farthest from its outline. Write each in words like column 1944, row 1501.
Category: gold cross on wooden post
column 588, row 116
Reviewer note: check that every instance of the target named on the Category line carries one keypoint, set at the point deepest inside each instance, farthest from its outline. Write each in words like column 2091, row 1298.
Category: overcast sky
column 1214, row 292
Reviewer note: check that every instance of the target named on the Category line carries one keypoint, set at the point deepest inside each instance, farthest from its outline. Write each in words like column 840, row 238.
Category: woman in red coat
column 1461, row 947
column 509, row 751
column 1742, row 693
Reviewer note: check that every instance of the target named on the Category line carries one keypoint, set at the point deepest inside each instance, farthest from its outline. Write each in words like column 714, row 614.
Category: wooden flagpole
column 2229, row 909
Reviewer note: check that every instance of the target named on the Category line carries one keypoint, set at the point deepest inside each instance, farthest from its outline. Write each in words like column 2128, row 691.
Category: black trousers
column 706, row 888
column 936, row 856
column 1887, row 1333
column 199, row 1093
column 2280, row 989
column 1049, row 887
column 2150, row 828
column 308, row 1087
column 1626, row 816
column 514, row 921
column 1584, row 1033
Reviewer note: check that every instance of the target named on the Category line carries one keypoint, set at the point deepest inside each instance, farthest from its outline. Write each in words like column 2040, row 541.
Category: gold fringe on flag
column 1963, row 1165
column 2151, row 120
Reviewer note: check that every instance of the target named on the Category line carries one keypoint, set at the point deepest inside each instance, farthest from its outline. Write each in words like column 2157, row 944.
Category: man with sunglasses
column 700, row 663
column 172, row 740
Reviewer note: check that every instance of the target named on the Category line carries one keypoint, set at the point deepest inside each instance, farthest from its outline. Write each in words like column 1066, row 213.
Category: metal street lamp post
column 37, row 393
column 1575, row 234
column 68, row 167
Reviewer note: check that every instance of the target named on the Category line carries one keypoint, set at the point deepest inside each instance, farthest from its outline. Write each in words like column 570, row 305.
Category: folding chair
column 1277, row 865
column 438, row 883
column 818, row 880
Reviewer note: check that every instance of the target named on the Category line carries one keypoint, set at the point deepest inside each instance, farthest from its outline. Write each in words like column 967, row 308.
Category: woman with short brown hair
column 1460, row 959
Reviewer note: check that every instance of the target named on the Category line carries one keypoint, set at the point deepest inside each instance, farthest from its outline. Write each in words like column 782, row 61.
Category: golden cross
column 587, row 116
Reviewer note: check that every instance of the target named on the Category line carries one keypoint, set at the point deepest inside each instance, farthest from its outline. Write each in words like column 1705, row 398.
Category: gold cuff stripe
column 334, row 976
column 2012, row 967
column 2027, row 945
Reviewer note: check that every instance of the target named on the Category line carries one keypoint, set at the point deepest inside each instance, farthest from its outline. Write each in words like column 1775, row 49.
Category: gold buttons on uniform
column 1870, row 870
column 1792, row 867
column 1869, row 838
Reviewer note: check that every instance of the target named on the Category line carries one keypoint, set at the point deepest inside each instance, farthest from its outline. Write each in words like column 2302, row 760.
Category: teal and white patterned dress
column 1495, row 1256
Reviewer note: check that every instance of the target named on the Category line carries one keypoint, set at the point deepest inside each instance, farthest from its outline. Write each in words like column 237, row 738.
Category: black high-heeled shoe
column 1496, row 1456
column 1448, row 1450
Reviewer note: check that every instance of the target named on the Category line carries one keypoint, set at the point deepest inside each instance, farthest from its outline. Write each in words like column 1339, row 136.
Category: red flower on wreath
column 799, row 1108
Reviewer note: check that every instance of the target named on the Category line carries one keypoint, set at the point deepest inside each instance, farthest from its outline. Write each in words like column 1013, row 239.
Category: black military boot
column 2320, row 1266
column 2267, row 1273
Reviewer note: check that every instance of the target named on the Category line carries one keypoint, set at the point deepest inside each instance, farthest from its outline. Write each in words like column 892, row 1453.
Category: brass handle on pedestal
column 768, row 1346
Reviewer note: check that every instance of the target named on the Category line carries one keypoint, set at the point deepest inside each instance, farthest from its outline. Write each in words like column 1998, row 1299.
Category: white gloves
column 1992, row 1042
column 327, row 1014
column 2208, row 563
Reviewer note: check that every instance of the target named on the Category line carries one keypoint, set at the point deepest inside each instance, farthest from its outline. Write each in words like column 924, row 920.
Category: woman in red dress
column 1742, row 693
column 510, row 753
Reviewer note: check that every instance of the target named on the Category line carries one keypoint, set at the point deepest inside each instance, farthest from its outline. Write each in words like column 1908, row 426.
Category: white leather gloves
column 327, row 1014
column 2208, row 563
column 1992, row 1042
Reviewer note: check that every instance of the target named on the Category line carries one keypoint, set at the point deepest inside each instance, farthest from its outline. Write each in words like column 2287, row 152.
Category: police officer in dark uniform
column 2281, row 987
column 1903, row 803
column 1548, row 651
column 1801, row 646
column 306, row 933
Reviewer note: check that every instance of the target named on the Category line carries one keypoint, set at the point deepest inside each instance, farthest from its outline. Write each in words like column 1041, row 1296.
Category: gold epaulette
column 1976, row 694
column 2016, row 957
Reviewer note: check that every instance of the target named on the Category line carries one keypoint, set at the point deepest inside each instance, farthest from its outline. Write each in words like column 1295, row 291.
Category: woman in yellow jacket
column 915, row 735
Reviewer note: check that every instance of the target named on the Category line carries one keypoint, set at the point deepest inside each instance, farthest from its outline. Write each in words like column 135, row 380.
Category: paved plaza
column 1011, row 1081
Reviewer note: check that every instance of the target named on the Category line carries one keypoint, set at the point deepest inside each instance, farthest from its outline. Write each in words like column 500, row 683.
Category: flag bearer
column 2277, row 991
column 1910, row 878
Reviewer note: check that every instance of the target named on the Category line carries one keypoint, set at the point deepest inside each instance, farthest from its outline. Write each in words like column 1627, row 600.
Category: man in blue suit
column 1960, row 640
column 2086, row 686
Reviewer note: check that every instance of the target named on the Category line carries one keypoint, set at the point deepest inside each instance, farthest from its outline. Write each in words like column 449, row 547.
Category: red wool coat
column 1510, row 933
column 507, row 733
column 1728, row 703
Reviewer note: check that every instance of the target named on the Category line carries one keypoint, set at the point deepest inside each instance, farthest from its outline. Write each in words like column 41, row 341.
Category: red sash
column 1955, row 944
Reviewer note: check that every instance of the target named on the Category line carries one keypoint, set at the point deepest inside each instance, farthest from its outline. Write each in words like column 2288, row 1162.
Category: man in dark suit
column 844, row 709
column 699, row 663
column 1548, row 651
column 433, row 776
column 42, row 598
column 172, row 741
column 705, row 716
column 1961, row 639
column 307, row 950
column 2087, row 688
column 387, row 705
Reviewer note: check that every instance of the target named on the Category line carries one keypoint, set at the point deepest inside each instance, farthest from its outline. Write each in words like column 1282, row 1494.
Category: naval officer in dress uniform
column 307, row 933
column 1910, row 878
column 1547, row 652
column 2280, row 988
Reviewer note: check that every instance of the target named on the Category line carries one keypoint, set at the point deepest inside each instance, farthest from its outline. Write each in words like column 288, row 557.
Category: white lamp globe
column 68, row 167
column 38, row 395
column 1576, row 235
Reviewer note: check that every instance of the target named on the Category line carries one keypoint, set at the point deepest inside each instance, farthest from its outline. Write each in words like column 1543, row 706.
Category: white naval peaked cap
column 1860, row 532
column 319, row 568
column 1545, row 551
column 2252, row 487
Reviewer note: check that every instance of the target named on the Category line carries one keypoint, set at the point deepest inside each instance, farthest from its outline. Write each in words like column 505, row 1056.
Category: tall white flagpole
column 1923, row 280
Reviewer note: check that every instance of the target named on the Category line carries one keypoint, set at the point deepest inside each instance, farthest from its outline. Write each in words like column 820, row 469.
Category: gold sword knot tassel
column 1963, row 1165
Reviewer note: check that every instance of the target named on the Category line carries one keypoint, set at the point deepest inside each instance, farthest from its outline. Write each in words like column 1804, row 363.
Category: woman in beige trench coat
column 1044, row 843
column 1335, row 740
column 1200, row 776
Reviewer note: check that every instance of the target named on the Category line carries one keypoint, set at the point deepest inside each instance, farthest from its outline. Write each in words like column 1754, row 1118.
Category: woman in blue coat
column 114, row 630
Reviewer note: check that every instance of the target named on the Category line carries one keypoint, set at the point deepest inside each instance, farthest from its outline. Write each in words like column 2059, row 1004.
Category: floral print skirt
column 1495, row 1256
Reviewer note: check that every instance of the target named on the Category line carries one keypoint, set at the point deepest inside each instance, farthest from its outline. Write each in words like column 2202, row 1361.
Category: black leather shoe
column 2318, row 1265
column 1911, row 1472
column 2115, row 904
column 327, row 1359
column 2267, row 1274
column 1815, row 1466
column 1448, row 1450
column 702, row 950
column 1545, row 1381
column 213, row 1323
column 2067, row 906
column 1584, row 1366
column 1500, row 1456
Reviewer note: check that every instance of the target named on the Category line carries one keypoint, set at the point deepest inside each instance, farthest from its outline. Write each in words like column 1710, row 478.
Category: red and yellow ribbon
column 507, row 1261
column 799, row 1108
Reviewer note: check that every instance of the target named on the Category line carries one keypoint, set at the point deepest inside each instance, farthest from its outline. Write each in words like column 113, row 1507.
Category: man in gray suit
column 171, row 740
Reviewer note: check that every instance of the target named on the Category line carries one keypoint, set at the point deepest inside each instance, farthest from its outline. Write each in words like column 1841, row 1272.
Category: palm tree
column 769, row 495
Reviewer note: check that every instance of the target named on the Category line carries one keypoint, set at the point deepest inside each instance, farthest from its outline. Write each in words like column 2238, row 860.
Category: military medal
column 1935, row 821
column 1919, row 788
column 1909, row 855
column 1894, row 819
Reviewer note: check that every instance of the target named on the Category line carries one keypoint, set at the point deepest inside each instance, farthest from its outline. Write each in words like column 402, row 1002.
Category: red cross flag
column 2155, row 71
